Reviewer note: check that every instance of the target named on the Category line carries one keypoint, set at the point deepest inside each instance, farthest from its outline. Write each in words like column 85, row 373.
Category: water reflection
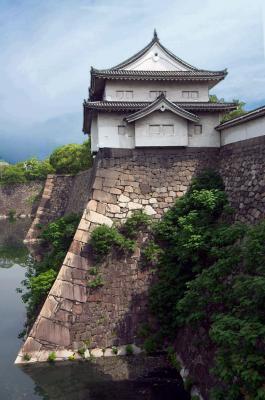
column 99, row 379
column 106, row 379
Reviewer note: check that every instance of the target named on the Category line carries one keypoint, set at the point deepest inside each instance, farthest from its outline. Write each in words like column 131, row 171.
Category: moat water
column 107, row 379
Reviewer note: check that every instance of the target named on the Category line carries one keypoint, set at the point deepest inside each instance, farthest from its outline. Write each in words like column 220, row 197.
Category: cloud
column 47, row 48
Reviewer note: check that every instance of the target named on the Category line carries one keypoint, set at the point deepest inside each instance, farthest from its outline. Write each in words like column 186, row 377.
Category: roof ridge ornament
column 155, row 37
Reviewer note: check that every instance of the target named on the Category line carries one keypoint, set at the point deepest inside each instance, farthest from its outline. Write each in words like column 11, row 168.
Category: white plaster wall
column 209, row 137
column 246, row 130
column 156, row 59
column 108, row 131
column 141, row 90
column 94, row 134
column 144, row 138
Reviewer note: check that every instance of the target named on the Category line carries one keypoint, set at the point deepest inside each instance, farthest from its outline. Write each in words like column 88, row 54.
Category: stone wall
column 62, row 194
column 242, row 166
column 110, row 315
column 22, row 198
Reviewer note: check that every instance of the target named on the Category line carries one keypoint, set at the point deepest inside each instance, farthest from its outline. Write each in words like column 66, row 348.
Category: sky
column 48, row 46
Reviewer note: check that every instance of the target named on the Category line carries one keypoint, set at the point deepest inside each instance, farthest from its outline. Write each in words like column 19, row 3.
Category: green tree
column 235, row 113
column 71, row 158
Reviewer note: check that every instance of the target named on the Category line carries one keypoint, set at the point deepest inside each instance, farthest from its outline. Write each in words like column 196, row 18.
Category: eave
column 93, row 107
column 256, row 113
column 99, row 77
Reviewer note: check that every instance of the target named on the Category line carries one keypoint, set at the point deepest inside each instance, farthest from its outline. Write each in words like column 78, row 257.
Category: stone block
column 92, row 205
column 53, row 332
column 152, row 200
column 104, row 196
column 113, row 208
column 123, row 199
column 31, row 345
column 99, row 219
column 84, row 224
column 115, row 191
column 129, row 189
column 134, row 206
column 101, row 208
column 97, row 183
column 149, row 210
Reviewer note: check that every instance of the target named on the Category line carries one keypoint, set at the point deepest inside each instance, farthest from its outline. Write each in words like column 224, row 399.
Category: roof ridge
column 154, row 40
column 151, row 107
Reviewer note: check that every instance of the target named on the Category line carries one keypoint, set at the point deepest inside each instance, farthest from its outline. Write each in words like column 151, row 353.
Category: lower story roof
column 138, row 105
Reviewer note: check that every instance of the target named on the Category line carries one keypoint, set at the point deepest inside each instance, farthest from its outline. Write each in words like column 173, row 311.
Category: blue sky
column 47, row 48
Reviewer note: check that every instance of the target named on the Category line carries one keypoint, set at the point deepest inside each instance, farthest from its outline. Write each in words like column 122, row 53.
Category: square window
column 119, row 94
column 168, row 130
column 195, row 95
column 197, row 129
column 154, row 129
column 185, row 94
column 129, row 94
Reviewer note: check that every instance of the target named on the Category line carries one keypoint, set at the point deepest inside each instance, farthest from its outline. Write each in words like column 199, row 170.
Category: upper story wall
column 149, row 91
column 246, row 130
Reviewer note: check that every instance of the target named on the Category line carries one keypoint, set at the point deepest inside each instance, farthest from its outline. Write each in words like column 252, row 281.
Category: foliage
column 105, row 238
column 71, row 158
column 71, row 357
column 114, row 350
column 26, row 171
column 40, row 285
column 96, row 282
column 26, row 357
column 129, row 350
column 150, row 253
column 57, row 237
column 172, row 358
column 211, row 274
column 68, row 159
column 232, row 114
column 82, row 351
column 214, row 99
column 137, row 221
column 151, row 344
column 144, row 331
column 235, row 113
column 51, row 357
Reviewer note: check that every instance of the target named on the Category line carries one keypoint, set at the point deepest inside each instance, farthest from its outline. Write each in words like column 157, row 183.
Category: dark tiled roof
column 158, row 75
column 138, row 105
column 258, row 112
column 162, row 100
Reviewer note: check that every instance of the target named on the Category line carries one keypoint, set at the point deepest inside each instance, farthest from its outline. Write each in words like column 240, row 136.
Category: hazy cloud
column 48, row 46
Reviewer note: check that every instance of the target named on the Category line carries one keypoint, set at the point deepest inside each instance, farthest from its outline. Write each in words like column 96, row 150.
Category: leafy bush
column 105, row 238
column 151, row 344
column 150, row 253
column 28, row 170
column 211, row 274
column 57, row 237
column 51, row 357
column 96, row 282
column 137, row 221
column 26, row 357
column 71, row 158
column 129, row 350
column 40, row 285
